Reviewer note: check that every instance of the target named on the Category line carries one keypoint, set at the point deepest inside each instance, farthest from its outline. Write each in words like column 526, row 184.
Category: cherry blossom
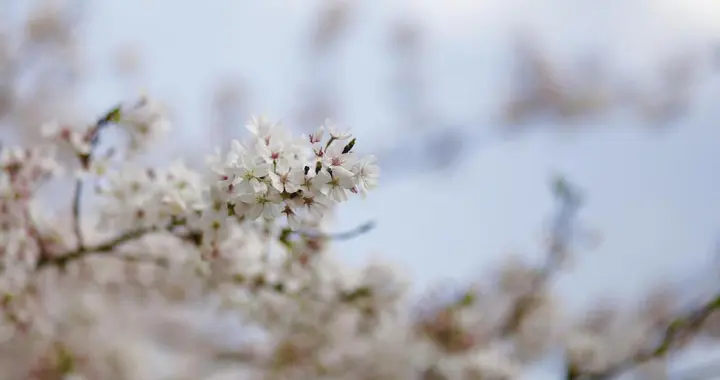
column 229, row 272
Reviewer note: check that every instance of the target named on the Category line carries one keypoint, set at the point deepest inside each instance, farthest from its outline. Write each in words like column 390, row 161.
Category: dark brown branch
column 61, row 260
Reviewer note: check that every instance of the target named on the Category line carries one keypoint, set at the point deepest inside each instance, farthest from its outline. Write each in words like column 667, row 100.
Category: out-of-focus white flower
column 222, row 168
column 587, row 352
column 134, row 198
column 214, row 218
column 76, row 139
column 144, row 121
column 367, row 174
column 493, row 364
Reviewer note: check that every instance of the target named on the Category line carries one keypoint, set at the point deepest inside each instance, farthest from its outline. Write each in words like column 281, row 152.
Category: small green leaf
column 239, row 279
column 468, row 299
column 560, row 187
column 6, row 299
column 66, row 362
column 357, row 293
column 113, row 116
column 284, row 237
column 279, row 287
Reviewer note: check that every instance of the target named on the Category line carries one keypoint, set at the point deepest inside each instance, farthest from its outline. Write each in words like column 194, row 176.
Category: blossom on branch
column 228, row 273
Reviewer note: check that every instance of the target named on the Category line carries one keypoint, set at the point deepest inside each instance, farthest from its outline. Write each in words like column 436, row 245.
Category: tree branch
column 568, row 199
column 675, row 335
column 86, row 160
column 63, row 259
column 344, row 235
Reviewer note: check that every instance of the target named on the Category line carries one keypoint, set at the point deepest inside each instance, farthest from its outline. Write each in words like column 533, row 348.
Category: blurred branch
column 678, row 333
column 85, row 161
column 545, row 89
column 333, row 21
column 344, row 235
column 568, row 199
column 61, row 260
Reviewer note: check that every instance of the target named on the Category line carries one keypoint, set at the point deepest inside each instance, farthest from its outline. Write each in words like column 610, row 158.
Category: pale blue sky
column 653, row 197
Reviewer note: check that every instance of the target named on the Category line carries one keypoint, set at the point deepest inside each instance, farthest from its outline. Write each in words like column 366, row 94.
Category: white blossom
column 75, row 138
column 334, row 132
column 143, row 282
column 287, row 178
column 144, row 121
column 335, row 183
column 366, row 174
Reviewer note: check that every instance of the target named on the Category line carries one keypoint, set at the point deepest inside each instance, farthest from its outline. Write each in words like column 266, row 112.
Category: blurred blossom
column 127, row 60
column 127, row 283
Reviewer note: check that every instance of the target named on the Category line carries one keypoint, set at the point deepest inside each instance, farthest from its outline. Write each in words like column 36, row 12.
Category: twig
column 345, row 235
column 85, row 161
column 35, row 234
column 569, row 203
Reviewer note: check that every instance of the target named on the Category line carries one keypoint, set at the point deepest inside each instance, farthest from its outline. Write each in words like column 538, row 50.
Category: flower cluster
column 270, row 176
column 274, row 175
column 228, row 274
column 24, row 171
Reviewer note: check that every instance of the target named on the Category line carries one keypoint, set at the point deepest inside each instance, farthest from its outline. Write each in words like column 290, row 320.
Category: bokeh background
column 471, row 106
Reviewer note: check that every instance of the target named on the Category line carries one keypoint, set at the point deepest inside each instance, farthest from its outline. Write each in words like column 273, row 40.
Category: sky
column 652, row 196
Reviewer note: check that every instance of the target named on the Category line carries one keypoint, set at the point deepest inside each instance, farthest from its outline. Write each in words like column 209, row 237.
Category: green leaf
column 66, row 362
